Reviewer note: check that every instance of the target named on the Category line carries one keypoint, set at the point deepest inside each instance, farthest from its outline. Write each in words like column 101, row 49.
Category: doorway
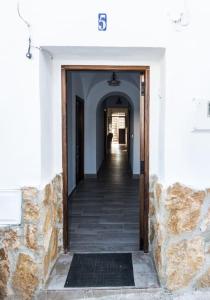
column 144, row 147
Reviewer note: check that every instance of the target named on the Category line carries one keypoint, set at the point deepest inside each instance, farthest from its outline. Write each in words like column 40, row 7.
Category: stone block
column 47, row 221
column 30, row 194
column 31, row 211
column 204, row 280
column 49, row 195
column 158, row 192
column 53, row 246
column 60, row 213
column 11, row 240
column 46, row 264
column 151, row 209
column 31, row 236
column 25, row 279
column 4, row 272
column 183, row 260
column 184, row 206
column 206, row 222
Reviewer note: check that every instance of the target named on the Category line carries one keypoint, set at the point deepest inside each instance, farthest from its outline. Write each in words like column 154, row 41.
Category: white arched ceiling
column 91, row 78
column 96, row 94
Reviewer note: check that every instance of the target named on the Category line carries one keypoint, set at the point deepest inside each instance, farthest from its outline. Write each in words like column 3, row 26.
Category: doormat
column 101, row 270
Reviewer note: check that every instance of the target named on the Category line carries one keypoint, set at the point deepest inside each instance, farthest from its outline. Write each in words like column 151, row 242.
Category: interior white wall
column 99, row 136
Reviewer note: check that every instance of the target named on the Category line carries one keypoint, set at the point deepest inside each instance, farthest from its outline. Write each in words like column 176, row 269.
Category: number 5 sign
column 102, row 22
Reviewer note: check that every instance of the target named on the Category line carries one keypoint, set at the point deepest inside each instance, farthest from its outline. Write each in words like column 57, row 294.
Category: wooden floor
column 104, row 212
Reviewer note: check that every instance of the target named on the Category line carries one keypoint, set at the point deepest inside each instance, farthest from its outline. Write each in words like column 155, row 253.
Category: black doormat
column 101, row 270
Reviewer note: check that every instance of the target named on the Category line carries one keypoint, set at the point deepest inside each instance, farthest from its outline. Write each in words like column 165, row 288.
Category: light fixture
column 114, row 81
column 119, row 101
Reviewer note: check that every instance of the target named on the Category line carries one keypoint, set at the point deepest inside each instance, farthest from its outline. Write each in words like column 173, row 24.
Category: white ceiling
column 91, row 78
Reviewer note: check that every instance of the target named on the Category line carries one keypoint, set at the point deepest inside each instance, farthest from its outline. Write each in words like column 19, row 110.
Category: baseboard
column 72, row 192
column 89, row 176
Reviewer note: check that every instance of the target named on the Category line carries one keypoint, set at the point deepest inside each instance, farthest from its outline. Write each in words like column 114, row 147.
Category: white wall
column 67, row 28
column 20, row 151
column 45, row 84
column 186, row 152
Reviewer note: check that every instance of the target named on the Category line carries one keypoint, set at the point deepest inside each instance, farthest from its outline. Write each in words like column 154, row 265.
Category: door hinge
column 142, row 167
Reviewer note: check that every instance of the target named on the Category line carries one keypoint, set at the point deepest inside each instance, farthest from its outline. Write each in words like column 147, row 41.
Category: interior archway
column 107, row 109
column 96, row 96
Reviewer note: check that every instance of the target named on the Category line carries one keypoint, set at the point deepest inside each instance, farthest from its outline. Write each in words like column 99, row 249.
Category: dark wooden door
column 121, row 135
column 79, row 139
column 105, row 132
column 128, row 134
column 144, row 160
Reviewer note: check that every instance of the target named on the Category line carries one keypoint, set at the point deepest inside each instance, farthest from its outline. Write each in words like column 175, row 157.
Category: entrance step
column 146, row 283
column 104, row 294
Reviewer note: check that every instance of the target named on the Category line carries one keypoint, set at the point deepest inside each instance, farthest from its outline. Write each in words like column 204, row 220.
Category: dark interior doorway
column 122, row 136
column 79, row 139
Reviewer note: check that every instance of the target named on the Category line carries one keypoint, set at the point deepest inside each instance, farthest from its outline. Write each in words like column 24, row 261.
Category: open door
column 65, row 160
column 105, row 133
column 128, row 133
column 144, row 160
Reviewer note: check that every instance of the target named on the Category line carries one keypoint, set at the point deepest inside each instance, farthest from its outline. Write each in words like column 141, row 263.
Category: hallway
column 104, row 211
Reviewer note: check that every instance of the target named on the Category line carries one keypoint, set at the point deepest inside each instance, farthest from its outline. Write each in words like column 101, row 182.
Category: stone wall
column 180, row 235
column 28, row 251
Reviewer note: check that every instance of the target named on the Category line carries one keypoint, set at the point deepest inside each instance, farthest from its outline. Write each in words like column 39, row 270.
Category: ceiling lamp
column 119, row 101
column 114, row 81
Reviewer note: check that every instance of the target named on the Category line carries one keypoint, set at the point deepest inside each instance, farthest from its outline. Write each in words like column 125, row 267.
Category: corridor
column 104, row 211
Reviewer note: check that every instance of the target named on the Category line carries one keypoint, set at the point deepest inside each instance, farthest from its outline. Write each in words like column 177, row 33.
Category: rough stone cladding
column 28, row 251
column 180, row 235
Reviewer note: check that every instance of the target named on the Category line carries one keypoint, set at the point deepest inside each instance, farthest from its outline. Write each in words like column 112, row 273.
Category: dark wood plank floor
column 104, row 212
